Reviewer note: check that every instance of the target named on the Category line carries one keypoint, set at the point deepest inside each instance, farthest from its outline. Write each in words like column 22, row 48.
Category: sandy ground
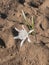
column 34, row 53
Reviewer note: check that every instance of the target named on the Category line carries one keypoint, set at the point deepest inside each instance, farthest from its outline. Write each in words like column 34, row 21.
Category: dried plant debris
column 2, row 43
column 36, row 3
column 21, row 1
column 3, row 15
column 47, row 13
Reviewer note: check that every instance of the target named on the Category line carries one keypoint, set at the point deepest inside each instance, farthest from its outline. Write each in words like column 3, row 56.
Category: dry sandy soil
column 34, row 53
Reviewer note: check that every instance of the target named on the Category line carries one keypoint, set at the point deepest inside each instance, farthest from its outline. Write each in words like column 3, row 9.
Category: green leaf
column 26, row 21
column 24, row 15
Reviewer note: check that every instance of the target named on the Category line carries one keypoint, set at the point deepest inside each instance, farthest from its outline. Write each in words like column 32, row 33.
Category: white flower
column 23, row 35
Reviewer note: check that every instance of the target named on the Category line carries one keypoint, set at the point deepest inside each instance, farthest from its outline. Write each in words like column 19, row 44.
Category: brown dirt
column 35, row 53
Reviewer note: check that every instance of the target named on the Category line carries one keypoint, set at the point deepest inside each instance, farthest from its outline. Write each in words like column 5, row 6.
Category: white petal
column 29, row 40
column 17, row 29
column 22, row 42
column 16, row 37
column 31, row 31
